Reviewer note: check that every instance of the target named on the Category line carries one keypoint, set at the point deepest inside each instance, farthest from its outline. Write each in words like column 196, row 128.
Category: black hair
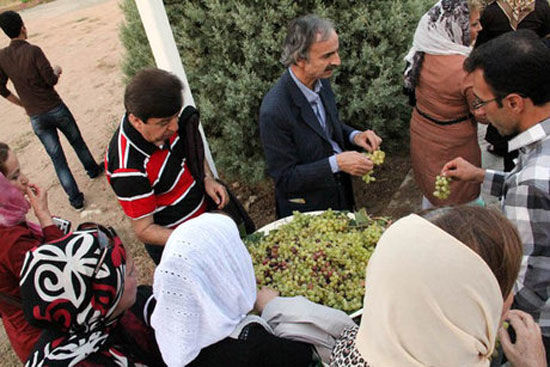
column 153, row 93
column 11, row 23
column 4, row 151
column 516, row 62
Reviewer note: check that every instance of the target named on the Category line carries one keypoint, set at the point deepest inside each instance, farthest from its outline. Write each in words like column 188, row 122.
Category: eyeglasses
column 105, row 238
column 478, row 102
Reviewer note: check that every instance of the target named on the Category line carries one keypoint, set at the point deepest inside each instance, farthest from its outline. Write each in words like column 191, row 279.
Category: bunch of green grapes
column 442, row 187
column 321, row 257
column 505, row 325
column 377, row 157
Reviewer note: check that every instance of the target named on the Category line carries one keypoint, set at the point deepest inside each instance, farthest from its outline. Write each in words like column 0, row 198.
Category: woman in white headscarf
column 437, row 290
column 442, row 125
column 204, row 287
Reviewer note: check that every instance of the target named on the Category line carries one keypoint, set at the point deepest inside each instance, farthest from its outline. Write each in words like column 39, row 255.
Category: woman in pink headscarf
column 18, row 236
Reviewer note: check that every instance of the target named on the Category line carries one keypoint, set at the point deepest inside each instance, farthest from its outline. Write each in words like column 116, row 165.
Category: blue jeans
column 45, row 127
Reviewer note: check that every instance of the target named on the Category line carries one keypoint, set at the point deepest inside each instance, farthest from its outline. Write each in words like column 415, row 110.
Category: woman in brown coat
column 442, row 125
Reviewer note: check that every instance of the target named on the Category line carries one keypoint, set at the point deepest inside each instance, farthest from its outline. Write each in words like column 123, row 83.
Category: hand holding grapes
column 528, row 350
column 354, row 163
column 462, row 170
column 368, row 140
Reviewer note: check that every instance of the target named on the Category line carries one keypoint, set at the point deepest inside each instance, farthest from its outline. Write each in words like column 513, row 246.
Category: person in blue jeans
column 34, row 79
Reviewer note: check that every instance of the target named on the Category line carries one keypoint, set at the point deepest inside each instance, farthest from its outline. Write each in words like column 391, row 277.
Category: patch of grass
column 81, row 19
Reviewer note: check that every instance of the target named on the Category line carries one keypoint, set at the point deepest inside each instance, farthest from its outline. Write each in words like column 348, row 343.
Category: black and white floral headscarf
column 70, row 288
column 443, row 30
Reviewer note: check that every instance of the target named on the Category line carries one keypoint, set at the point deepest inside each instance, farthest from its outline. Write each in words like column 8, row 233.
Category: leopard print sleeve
column 345, row 354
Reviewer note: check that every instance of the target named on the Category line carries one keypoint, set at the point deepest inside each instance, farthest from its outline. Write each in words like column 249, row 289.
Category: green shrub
column 230, row 50
column 138, row 52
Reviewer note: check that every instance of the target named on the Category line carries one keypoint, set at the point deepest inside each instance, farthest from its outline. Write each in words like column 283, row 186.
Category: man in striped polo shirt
column 149, row 163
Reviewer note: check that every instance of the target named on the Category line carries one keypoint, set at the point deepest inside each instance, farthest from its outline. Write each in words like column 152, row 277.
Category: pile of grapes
column 321, row 257
column 442, row 187
column 377, row 157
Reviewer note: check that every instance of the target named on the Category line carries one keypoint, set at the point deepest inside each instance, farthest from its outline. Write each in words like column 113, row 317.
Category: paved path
column 58, row 7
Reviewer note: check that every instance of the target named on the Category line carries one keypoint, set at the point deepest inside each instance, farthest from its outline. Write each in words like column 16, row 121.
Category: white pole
column 155, row 21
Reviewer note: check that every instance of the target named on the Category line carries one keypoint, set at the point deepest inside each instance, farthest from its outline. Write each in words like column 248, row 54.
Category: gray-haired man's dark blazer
column 297, row 149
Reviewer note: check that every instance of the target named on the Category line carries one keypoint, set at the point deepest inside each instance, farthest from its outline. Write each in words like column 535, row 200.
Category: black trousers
column 257, row 349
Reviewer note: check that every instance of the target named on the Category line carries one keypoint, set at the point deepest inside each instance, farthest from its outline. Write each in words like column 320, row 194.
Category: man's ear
column 515, row 103
column 301, row 63
column 135, row 121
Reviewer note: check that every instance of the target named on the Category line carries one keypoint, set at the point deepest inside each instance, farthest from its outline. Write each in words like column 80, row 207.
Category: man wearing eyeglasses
column 512, row 82
column 155, row 160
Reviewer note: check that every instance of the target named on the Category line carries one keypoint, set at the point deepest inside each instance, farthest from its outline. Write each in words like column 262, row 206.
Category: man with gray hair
column 305, row 143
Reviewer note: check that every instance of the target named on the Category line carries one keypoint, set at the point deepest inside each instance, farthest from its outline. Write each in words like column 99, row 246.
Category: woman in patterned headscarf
column 504, row 16
column 79, row 290
column 442, row 126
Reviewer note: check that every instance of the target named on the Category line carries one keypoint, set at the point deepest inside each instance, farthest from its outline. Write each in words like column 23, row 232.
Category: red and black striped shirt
column 152, row 180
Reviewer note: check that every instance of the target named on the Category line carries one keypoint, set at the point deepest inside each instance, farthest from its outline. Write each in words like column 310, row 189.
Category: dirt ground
column 82, row 37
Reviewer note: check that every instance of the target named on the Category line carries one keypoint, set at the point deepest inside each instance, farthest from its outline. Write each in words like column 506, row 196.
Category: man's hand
column 57, row 70
column 354, row 163
column 528, row 350
column 216, row 191
column 367, row 140
column 481, row 116
column 462, row 170
column 39, row 202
